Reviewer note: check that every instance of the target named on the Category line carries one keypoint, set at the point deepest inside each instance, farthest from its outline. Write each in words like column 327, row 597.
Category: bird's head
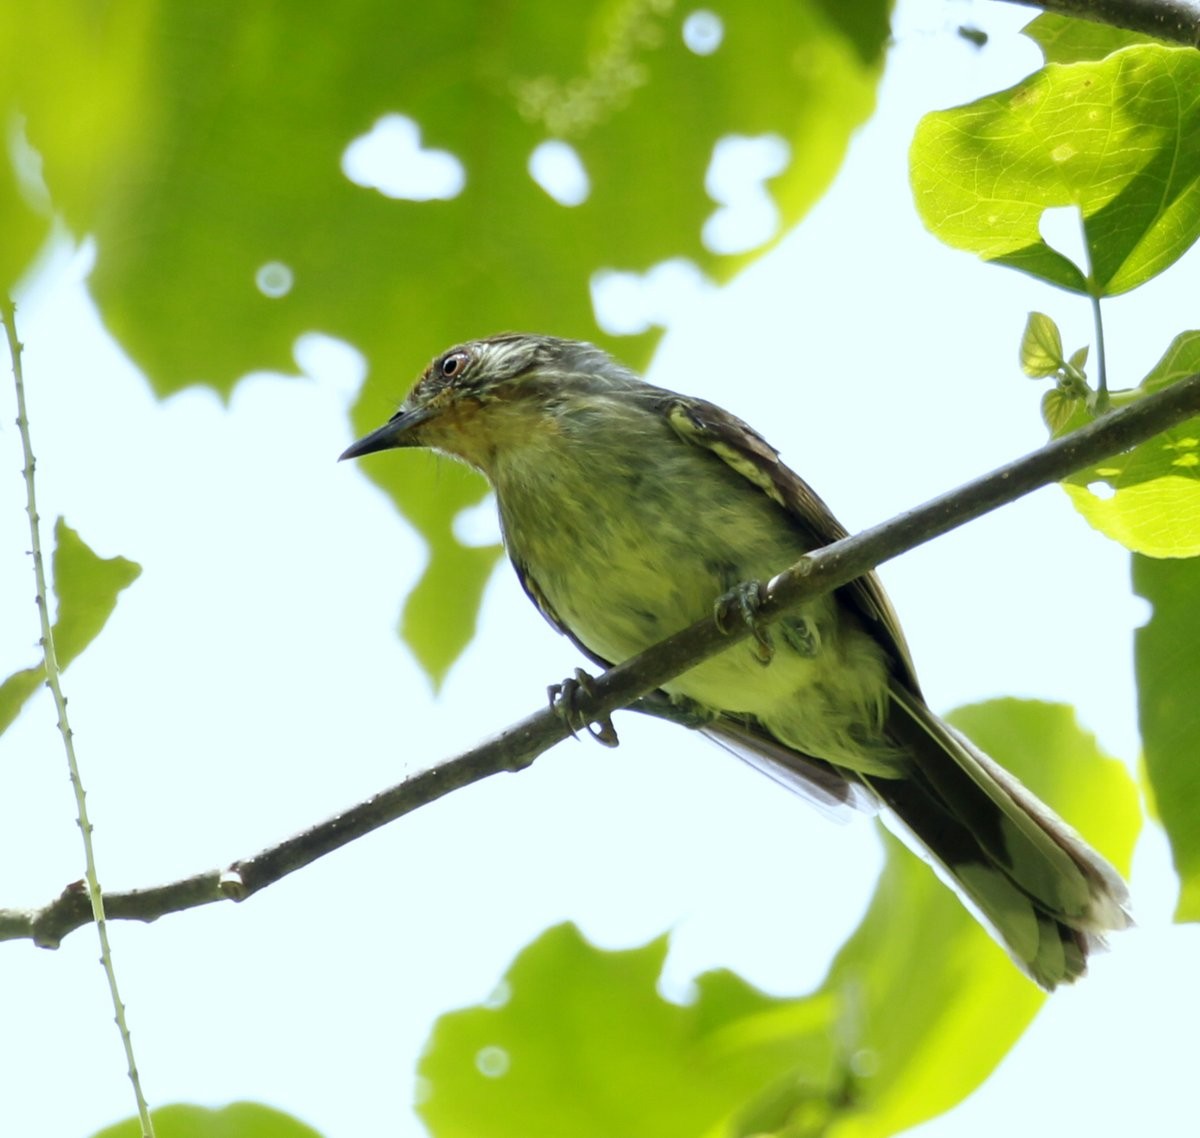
column 485, row 395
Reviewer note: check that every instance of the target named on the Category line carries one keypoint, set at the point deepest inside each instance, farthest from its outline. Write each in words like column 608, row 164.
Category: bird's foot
column 742, row 602
column 565, row 699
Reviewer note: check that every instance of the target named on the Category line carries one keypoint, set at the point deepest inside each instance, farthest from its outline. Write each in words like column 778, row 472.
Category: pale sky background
column 250, row 683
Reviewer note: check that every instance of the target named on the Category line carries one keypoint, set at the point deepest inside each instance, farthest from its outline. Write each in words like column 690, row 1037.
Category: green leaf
column 26, row 226
column 86, row 587
column 238, row 1120
column 581, row 1043
column 932, row 1002
column 1148, row 498
column 1078, row 358
column 917, row 1010
column 440, row 613
column 1041, row 347
column 1118, row 138
column 1059, row 407
column 199, row 143
column 1064, row 39
column 1168, row 678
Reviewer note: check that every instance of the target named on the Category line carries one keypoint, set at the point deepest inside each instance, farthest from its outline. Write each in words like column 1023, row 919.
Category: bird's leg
column 743, row 602
column 675, row 709
column 801, row 635
column 564, row 701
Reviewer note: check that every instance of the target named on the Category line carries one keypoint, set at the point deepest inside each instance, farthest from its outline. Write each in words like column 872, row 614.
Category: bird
column 630, row 511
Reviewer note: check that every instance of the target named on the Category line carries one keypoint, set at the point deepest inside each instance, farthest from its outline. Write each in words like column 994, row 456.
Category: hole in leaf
column 499, row 995
column 330, row 361
column 703, row 32
column 492, row 1061
column 1061, row 229
column 1141, row 609
column 628, row 303
column 557, row 168
column 1101, row 490
column 389, row 158
column 274, row 279
column 864, row 1062
column 27, row 166
column 477, row 526
column 735, row 180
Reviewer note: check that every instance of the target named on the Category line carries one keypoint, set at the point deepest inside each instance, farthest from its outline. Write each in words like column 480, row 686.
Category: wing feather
column 741, row 448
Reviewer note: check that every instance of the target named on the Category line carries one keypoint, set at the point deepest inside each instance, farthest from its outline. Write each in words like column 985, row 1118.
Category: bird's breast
column 631, row 538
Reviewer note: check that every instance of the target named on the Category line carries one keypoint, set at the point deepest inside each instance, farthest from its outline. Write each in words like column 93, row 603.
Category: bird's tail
column 1045, row 893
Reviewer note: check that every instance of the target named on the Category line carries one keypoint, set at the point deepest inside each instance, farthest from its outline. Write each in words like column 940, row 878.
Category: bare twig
column 517, row 746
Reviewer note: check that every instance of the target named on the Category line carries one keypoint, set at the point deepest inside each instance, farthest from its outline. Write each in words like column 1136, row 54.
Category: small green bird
column 629, row 510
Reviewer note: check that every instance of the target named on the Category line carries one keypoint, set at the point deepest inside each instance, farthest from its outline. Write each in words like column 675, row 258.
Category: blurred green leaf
column 1118, row 138
column 919, row 1006
column 86, row 587
column 199, row 143
column 238, row 1120
column 581, row 1043
column 1041, row 346
column 1148, row 498
column 26, row 226
column 1168, row 678
column 1064, row 39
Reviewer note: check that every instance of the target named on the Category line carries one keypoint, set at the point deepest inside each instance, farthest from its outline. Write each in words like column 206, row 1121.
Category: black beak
column 394, row 433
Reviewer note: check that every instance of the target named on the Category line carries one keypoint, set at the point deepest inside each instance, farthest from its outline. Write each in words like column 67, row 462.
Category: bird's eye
column 453, row 365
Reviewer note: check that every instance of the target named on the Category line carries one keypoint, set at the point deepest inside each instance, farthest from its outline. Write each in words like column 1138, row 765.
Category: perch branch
column 517, row 746
column 1176, row 21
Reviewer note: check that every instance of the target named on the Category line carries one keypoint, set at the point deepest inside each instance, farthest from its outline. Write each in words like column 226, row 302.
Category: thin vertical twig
column 8, row 313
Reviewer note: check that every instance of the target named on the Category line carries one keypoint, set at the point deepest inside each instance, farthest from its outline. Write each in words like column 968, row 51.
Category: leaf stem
column 8, row 314
column 1101, row 401
column 1101, row 361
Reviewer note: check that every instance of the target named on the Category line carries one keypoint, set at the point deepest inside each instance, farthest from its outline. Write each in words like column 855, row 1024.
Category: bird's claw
column 742, row 603
column 564, row 701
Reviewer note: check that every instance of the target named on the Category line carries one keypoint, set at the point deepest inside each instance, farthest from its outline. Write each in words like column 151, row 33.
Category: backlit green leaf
column 917, row 1010
column 202, row 145
column 1148, row 498
column 1041, row 346
column 238, row 1120
column 578, row 1041
column 1117, row 138
column 1065, row 39
column 86, row 588
column 1168, row 678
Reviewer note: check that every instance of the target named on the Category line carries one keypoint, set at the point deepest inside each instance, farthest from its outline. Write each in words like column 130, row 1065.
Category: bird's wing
column 535, row 594
column 745, row 451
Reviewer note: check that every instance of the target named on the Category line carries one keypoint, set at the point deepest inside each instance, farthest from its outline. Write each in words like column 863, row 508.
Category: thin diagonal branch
column 518, row 745
column 92, row 890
